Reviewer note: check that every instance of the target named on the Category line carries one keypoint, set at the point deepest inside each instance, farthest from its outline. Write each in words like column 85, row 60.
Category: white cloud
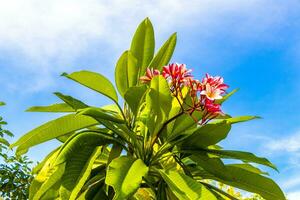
column 288, row 149
column 293, row 195
column 49, row 28
column 288, row 143
column 61, row 30
column 291, row 182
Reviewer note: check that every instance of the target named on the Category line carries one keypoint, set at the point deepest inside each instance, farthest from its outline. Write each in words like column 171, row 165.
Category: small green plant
column 161, row 144
column 15, row 171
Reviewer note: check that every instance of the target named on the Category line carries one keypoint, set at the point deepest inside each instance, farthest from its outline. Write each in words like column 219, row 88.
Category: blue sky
column 254, row 45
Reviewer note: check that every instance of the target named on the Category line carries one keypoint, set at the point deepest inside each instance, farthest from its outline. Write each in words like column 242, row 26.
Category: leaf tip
column 64, row 74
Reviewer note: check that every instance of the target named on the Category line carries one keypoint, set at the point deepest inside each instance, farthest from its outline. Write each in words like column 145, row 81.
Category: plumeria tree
column 161, row 144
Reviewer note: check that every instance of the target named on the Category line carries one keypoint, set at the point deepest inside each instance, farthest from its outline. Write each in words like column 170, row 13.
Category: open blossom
column 150, row 73
column 211, row 93
column 213, row 87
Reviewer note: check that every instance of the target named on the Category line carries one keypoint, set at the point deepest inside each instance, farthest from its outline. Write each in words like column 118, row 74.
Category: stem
column 163, row 126
column 182, row 109
column 186, row 171
column 122, row 112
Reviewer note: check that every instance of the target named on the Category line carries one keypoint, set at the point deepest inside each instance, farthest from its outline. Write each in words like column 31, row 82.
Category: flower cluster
column 203, row 93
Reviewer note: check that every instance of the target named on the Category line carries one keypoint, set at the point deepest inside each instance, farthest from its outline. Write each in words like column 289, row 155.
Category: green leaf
column 126, row 73
column 238, row 177
column 134, row 96
column 81, row 140
column 125, row 175
column 220, row 101
column 115, row 152
column 186, row 188
column 99, row 113
column 71, row 101
column 58, row 107
column 234, row 120
column 207, row 135
column 92, row 192
column 94, row 81
column 76, row 165
column 143, row 44
column 250, row 168
column 158, row 104
column 47, row 176
column 4, row 141
column 56, row 174
column 164, row 54
column 2, row 103
column 53, row 129
column 241, row 155
column 78, row 154
column 144, row 194
column 255, row 183
column 161, row 99
column 65, row 137
column 40, row 165
column 184, row 124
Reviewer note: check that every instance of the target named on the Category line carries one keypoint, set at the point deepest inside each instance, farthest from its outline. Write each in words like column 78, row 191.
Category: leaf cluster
column 15, row 171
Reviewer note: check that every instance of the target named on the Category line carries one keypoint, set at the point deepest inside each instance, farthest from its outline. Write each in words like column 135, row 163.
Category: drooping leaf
column 241, row 178
column 115, row 152
column 65, row 137
column 92, row 191
column 207, row 135
column 81, row 140
column 234, row 120
column 125, row 175
column 184, row 187
column 78, row 154
column 164, row 54
column 40, row 165
column 126, row 72
column 101, row 114
column 250, row 168
column 241, row 155
column 3, row 141
column 76, row 165
column 53, row 129
column 56, row 174
column 133, row 97
column 143, row 44
column 94, row 81
column 71, row 101
column 48, row 175
column 58, row 107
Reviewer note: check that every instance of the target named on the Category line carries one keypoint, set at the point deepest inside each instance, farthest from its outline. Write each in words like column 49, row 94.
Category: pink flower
column 213, row 87
column 212, row 110
column 177, row 73
column 150, row 73
column 211, row 107
column 177, row 76
column 211, row 93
